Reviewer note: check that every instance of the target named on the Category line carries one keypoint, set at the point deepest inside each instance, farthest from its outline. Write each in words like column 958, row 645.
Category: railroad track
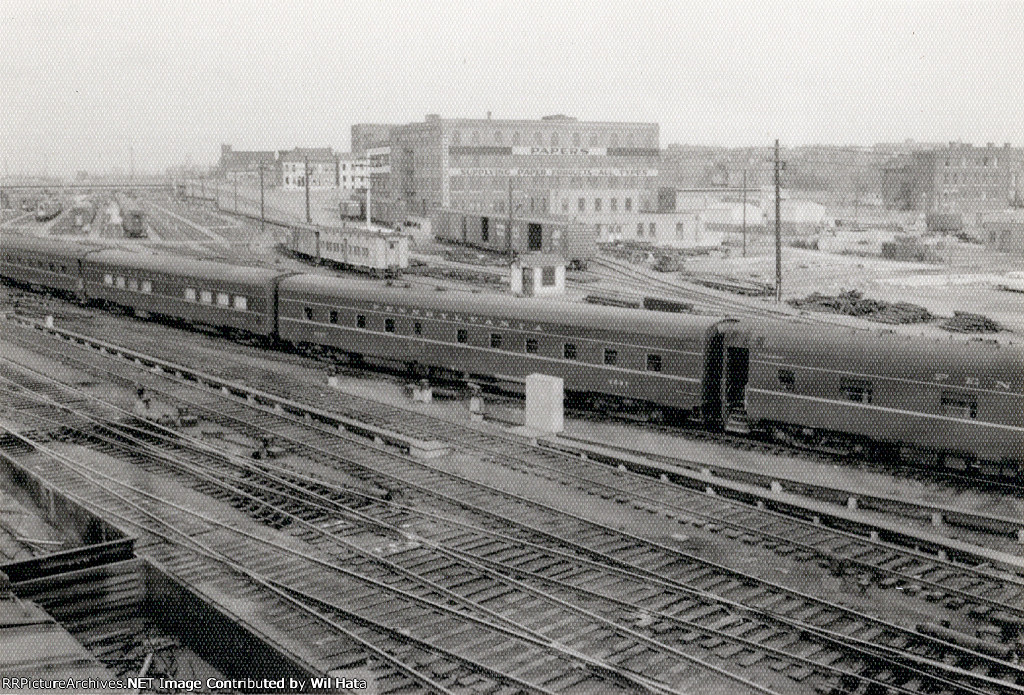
column 573, row 530
column 386, row 615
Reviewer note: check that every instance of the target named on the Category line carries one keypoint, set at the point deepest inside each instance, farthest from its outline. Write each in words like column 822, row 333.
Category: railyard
column 308, row 508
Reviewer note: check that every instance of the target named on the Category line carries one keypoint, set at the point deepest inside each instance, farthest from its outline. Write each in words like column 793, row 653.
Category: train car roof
column 64, row 247
column 954, row 361
column 538, row 310
column 185, row 266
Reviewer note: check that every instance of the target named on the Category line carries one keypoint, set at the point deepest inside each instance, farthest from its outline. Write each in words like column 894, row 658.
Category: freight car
column 133, row 219
column 574, row 241
column 381, row 253
column 47, row 209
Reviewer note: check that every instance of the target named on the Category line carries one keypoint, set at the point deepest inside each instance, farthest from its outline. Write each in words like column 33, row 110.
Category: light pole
column 309, row 219
column 263, row 224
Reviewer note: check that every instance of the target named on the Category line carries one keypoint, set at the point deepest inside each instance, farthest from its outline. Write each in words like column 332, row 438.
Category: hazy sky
column 80, row 82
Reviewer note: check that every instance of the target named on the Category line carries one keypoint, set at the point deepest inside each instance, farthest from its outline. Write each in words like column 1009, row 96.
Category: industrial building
column 483, row 165
column 956, row 178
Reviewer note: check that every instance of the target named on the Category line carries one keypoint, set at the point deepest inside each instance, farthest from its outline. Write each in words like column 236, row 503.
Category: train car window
column 960, row 405
column 360, row 321
column 417, row 328
column 52, row 268
column 462, row 335
column 389, row 325
column 787, row 380
column 654, row 363
column 308, row 312
column 120, row 281
column 496, row 341
column 206, row 296
column 531, row 346
column 333, row 318
column 857, row 390
column 611, row 356
column 223, row 299
column 147, row 286
column 190, row 294
column 569, row 351
column 241, row 303
column 133, row 284
column 108, row 279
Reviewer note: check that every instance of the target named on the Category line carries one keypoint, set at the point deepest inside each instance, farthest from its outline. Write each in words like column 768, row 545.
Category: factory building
column 484, row 165
column 957, row 178
column 244, row 165
column 366, row 136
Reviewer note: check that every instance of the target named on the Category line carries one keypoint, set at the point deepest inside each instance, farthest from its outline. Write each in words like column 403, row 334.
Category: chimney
column 488, row 115
column 990, row 144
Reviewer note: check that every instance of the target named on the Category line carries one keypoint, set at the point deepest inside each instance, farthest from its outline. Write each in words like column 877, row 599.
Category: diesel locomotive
column 949, row 403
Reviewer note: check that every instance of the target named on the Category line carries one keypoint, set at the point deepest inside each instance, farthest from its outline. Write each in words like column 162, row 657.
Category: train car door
column 737, row 370
column 534, row 237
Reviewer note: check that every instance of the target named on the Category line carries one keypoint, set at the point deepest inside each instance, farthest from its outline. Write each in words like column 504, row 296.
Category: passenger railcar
column 378, row 252
column 231, row 298
column 604, row 354
column 42, row 262
column 950, row 402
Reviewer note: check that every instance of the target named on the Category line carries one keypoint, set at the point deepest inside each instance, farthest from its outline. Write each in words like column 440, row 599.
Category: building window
column 629, row 204
column 613, row 204
column 787, row 380
column 417, row 328
column 333, row 316
column 857, row 390
column 654, row 363
column 650, row 230
column 496, row 341
column 597, row 205
column 147, row 286
column 120, row 281
column 640, row 229
column 531, row 346
column 582, row 204
column 462, row 335
column 241, row 303
column 108, row 279
column 360, row 321
column 206, row 296
column 960, row 405
column 389, row 325
column 611, row 356
column 133, row 284
column 569, row 351
column 547, row 276
column 190, row 294
column 308, row 312
column 223, row 299
column 565, row 205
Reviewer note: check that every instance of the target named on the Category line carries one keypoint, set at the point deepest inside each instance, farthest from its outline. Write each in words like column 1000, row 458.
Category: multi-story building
column 352, row 172
column 367, row 136
column 539, row 166
column 957, row 178
column 323, row 167
column 244, row 166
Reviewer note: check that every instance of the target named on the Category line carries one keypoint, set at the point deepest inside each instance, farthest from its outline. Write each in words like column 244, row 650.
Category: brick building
column 366, row 136
column 245, row 165
column 549, row 164
column 957, row 178
column 324, row 167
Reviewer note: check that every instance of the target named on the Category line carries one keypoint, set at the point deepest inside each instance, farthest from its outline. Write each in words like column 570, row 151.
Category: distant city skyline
column 86, row 83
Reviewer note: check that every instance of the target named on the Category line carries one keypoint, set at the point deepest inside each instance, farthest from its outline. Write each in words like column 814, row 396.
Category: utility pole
column 368, row 180
column 236, row 191
column 508, row 230
column 309, row 219
column 778, row 230
column 744, row 213
column 263, row 221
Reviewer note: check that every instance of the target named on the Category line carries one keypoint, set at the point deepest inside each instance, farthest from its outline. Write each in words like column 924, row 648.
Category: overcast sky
column 80, row 82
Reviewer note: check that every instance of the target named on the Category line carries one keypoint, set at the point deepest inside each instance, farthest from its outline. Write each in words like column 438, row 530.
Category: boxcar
column 229, row 297
column 44, row 262
column 953, row 401
column 600, row 352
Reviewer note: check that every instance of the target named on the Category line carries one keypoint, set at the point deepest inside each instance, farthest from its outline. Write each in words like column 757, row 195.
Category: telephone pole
column 508, row 230
column 236, row 191
column 263, row 220
column 309, row 219
column 744, row 213
column 778, row 230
